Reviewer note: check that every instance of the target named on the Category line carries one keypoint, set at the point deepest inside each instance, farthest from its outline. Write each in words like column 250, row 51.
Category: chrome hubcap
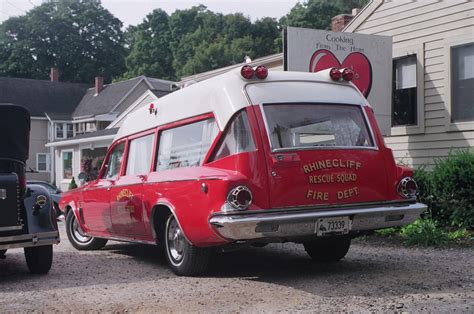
column 78, row 233
column 175, row 241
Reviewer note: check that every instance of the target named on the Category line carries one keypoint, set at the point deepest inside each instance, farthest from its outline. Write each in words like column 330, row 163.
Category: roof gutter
column 81, row 141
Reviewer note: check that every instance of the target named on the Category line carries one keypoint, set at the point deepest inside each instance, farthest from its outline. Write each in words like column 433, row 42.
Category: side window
column 185, row 146
column 115, row 161
column 237, row 139
column 462, row 83
column 404, row 104
column 139, row 155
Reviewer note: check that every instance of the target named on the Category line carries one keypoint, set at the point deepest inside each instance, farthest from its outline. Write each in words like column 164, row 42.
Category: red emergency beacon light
column 248, row 72
column 261, row 72
column 346, row 74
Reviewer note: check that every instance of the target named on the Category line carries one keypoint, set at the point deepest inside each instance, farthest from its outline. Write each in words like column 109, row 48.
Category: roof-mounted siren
column 345, row 74
column 260, row 72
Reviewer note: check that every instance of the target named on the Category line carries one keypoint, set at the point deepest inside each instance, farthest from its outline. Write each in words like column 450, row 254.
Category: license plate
column 333, row 225
column 3, row 194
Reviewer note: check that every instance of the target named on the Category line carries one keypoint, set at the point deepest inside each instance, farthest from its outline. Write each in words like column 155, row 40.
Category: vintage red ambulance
column 246, row 157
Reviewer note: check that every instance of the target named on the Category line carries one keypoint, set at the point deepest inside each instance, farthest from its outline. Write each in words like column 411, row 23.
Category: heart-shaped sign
column 324, row 59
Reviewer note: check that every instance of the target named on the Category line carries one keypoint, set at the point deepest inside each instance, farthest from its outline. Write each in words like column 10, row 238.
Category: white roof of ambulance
column 226, row 94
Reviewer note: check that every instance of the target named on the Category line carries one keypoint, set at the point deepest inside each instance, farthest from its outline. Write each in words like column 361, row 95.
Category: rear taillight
column 407, row 187
column 240, row 197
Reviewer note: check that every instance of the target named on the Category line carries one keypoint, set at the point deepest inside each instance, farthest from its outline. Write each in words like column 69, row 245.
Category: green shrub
column 387, row 232
column 73, row 184
column 458, row 235
column 424, row 232
column 424, row 181
column 453, row 189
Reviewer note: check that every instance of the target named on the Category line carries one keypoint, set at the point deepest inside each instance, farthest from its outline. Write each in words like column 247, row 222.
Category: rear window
column 316, row 125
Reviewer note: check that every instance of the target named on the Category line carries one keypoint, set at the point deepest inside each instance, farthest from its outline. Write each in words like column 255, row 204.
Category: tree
column 317, row 14
column 80, row 38
column 150, row 51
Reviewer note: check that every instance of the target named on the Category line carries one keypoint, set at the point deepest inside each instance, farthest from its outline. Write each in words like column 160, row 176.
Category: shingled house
column 51, row 104
column 95, row 122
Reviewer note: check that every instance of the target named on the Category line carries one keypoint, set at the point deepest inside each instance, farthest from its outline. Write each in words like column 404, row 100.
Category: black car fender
column 40, row 213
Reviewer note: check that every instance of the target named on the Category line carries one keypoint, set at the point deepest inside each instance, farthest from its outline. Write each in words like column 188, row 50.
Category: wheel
column 184, row 258
column 2, row 253
column 328, row 249
column 39, row 258
column 77, row 237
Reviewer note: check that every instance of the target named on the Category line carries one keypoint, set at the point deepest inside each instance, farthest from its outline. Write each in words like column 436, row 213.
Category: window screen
column 316, row 125
column 185, row 146
column 462, row 83
column 238, row 138
column 139, row 155
column 404, row 98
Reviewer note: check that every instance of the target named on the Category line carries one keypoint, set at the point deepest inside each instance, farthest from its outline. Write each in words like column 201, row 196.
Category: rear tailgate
column 319, row 150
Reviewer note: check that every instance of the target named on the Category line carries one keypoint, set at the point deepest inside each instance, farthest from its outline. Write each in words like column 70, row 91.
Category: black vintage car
column 27, row 216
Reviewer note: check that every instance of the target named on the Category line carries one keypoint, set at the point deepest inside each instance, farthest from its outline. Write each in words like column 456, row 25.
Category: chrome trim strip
column 29, row 240
column 119, row 239
column 322, row 207
column 297, row 224
column 11, row 228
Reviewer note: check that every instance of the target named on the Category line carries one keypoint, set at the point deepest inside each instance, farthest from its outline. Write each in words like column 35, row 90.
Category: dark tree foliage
column 150, row 51
column 79, row 37
column 318, row 13
column 83, row 40
column 196, row 40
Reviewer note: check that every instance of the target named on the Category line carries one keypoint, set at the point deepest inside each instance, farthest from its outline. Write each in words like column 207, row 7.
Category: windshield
column 316, row 125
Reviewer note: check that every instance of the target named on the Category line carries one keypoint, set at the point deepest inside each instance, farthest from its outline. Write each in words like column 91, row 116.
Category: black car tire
column 2, row 252
column 78, row 239
column 328, row 249
column 39, row 258
column 184, row 258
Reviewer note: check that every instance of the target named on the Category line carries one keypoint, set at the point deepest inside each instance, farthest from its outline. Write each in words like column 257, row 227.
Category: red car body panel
column 123, row 208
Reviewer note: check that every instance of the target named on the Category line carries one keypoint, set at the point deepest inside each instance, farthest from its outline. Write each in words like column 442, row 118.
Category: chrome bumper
column 300, row 223
column 27, row 240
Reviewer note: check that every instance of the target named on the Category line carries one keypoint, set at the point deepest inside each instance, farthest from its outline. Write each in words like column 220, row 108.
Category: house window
column 185, row 146
column 404, row 103
column 42, row 162
column 462, row 83
column 59, row 130
column 69, row 130
column 139, row 155
column 67, row 164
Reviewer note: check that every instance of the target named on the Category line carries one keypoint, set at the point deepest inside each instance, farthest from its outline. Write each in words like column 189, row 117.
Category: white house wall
column 434, row 26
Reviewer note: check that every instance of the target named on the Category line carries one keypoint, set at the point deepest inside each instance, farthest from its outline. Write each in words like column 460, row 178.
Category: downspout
column 52, row 151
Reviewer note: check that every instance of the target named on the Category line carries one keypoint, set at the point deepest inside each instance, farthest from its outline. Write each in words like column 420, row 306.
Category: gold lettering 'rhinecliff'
column 331, row 163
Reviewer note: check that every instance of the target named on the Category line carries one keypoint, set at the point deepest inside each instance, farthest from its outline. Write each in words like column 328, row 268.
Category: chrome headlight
column 41, row 200
column 240, row 198
column 407, row 187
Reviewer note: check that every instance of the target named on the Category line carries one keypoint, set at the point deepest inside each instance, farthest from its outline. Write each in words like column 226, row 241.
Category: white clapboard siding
column 429, row 23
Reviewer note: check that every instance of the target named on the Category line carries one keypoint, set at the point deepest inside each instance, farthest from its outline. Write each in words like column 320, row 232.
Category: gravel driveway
column 279, row 277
